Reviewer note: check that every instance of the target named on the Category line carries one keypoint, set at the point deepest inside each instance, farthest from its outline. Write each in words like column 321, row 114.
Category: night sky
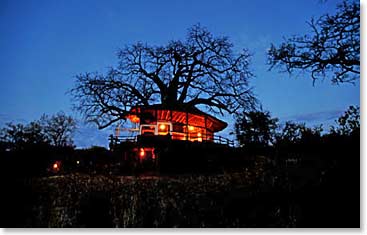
column 44, row 44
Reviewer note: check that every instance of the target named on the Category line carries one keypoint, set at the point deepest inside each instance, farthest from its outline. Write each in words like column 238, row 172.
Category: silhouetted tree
column 59, row 129
column 332, row 48
column 203, row 71
column 19, row 136
column 293, row 133
column 53, row 130
column 348, row 123
column 255, row 128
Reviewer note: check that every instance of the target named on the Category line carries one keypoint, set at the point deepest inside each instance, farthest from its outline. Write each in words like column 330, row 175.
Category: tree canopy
column 332, row 49
column 258, row 128
column 293, row 133
column 56, row 130
column 19, row 136
column 255, row 128
column 202, row 70
column 59, row 128
column 348, row 123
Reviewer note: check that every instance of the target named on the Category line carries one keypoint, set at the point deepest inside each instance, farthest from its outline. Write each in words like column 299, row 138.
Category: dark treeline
column 311, row 174
column 318, row 171
column 295, row 175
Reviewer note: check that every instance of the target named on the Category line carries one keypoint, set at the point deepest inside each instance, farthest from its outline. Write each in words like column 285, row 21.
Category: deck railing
column 203, row 138
column 222, row 140
column 120, row 139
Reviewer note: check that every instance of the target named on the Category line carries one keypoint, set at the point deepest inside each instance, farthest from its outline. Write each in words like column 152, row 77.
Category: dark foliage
column 19, row 136
column 255, row 128
column 332, row 49
column 305, row 179
column 59, row 128
column 55, row 130
column 348, row 124
column 203, row 71
column 294, row 133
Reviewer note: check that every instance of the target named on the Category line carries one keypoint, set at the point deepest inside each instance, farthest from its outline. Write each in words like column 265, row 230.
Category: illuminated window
column 164, row 128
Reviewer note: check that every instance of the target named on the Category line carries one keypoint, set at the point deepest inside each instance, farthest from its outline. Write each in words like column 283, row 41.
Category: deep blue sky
column 43, row 44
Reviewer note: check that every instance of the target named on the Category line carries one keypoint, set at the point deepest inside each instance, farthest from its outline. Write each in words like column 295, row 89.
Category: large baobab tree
column 202, row 71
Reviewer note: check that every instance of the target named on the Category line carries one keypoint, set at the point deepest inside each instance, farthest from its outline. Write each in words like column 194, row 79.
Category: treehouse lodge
column 155, row 126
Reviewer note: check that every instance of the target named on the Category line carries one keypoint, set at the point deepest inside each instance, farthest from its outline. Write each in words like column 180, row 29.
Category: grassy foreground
column 226, row 200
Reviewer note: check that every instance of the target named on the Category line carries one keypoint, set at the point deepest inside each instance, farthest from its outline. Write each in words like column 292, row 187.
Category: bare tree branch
column 202, row 70
column 333, row 48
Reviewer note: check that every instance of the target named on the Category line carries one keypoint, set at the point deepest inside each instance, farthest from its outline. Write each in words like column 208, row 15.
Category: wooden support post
column 187, row 126
column 206, row 131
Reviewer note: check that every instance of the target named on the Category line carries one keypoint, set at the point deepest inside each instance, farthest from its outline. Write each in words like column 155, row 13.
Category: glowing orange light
column 191, row 128
column 162, row 127
column 55, row 166
column 142, row 152
column 199, row 137
column 134, row 118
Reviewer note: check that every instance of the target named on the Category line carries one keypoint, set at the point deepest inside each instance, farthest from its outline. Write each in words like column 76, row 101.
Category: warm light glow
column 147, row 129
column 142, row 152
column 162, row 127
column 199, row 134
column 134, row 118
column 191, row 128
column 77, row 162
column 163, row 115
column 55, row 166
